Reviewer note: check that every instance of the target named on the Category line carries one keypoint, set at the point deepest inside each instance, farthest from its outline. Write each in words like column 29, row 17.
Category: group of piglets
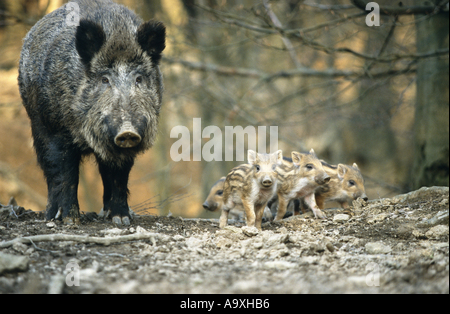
column 273, row 187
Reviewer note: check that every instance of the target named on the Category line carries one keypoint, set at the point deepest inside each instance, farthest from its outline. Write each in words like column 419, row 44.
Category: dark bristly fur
column 93, row 88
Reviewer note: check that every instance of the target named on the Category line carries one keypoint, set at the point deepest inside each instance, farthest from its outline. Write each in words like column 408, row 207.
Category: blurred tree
column 3, row 13
column 431, row 159
column 431, row 162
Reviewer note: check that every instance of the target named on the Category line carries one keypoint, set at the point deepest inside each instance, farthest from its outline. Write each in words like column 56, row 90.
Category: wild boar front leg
column 320, row 200
column 60, row 162
column 115, row 194
column 310, row 199
column 259, row 213
column 282, row 207
column 224, row 218
column 249, row 208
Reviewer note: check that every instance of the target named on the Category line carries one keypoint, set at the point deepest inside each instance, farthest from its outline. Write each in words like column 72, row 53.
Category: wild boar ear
column 296, row 158
column 89, row 38
column 151, row 36
column 341, row 170
column 279, row 154
column 355, row 166
column 251, row 156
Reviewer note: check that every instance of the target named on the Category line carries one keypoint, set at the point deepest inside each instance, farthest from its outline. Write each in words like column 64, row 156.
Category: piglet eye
column 309, row 167
column 351, row 182
column 220, row 192
column 105, row 80
column 257, row 167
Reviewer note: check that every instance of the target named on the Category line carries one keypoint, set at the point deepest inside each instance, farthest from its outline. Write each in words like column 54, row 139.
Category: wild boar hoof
column 73, row 217
column 321, row 215
column 121, row 221
column 71, row 221
column 126, row 221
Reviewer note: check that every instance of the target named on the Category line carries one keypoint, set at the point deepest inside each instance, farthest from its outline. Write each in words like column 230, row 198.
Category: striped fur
column 346, row 184
column 250, row 186
column 300, row 179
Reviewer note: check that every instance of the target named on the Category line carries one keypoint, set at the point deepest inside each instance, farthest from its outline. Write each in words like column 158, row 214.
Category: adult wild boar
column 91, row 88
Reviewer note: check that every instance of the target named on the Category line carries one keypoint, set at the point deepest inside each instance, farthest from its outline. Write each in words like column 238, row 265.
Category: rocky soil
column 398, row 245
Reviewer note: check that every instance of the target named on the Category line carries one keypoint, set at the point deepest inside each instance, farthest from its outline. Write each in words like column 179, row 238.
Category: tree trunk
column 431, row 160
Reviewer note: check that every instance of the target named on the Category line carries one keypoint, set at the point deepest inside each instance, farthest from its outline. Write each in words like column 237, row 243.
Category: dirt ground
column 397, row 245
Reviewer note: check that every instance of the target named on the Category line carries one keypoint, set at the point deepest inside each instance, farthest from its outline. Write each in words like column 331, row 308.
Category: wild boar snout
column 267, row 181
column 127, row 139
column 322, row 179
column 364, row 197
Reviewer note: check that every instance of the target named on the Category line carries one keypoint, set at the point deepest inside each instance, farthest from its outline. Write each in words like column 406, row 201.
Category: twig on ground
column 111, row 254
column 39, row 249
column 78, row 238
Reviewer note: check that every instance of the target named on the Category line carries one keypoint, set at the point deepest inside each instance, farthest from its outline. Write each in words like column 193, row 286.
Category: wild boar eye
column 105, row 80
column 138, row 80
column 257, row 168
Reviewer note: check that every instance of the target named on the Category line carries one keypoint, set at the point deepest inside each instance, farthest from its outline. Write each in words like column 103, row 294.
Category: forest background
column 374, row 95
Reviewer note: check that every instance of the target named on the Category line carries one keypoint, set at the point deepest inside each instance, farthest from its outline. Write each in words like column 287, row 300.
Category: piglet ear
column 251, row 156
column 89, row 38
column 279, row 157
column 296, row 158
column 151, row 36
column 341, row 170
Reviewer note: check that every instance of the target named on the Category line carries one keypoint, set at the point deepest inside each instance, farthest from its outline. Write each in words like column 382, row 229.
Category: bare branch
column 385, row 59
column 222, row 70
column 332, row 7
column 287, row 43
column 238, row 21
column 326, row 24
column 385, row 44
column 144, row 207
column 405, row 10
column 257, row 74
column 79, row 238
column 300, row 34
